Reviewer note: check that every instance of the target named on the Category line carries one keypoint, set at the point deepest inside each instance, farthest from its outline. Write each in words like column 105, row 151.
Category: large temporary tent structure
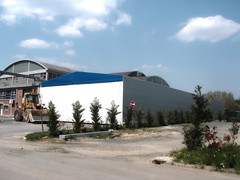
column 85, row 87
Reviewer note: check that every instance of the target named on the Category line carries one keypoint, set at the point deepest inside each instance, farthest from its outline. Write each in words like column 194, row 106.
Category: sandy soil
column 132, row 145
column 126, row 156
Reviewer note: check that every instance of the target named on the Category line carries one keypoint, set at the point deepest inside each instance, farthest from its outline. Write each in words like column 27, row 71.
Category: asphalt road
column 21, row 160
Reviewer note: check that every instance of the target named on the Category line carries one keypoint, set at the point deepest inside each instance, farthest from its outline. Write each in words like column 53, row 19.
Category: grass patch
column 39, row 135
column 101, row 136
column 36, row 136
column 221, row 158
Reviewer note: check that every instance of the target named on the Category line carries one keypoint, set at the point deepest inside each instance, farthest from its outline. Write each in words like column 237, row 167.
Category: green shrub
column 221, row 158
column 149, row 118
column 129, row 117
column 112, row 115
column 36, row 136
column 53, row 123
column 96, row 118
column 170, row 117
column 77, row 117
column 193, row 137
column 139, row 117
column 188, row 117
column 160, row 119
column 218, row 152
column 219, row 116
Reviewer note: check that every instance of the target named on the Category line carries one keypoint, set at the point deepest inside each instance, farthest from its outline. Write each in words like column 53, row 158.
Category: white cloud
column 20, row 56
column 93, row 15
column 94, row 25
column 68, row 43
column 160, row 67
column 123, row 18
column 70, row 52
column 212, row 29
column 8, row 18
column 145, row 66
column 63, row 63
column 72, row 28
column 37, row 43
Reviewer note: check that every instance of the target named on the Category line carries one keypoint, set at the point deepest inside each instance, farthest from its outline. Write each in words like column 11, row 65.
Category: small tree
column 220, row 116
column 160, row 119
column 188, row 117
column 139, row 117
column 53, row 122
column 129, row 116
column 200, row 109
column 96, row 118
column 193, row 135
column 150, row 119
column 77, row 117
column 170, row 117
column 112, row 115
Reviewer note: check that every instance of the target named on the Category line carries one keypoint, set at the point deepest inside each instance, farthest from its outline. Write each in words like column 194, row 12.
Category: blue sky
column 186, row 42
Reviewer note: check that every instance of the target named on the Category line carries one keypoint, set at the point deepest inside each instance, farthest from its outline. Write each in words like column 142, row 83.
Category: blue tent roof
column 82, row 78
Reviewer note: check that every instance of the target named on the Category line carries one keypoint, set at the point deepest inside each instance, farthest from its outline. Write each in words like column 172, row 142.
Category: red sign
column 132, row 104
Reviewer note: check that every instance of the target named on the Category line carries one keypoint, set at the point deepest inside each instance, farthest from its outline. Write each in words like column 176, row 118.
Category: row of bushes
column 136, row 118
column 78, row 122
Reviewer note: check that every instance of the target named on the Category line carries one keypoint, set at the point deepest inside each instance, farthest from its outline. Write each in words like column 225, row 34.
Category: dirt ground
column 133, row 145
column 128, row 155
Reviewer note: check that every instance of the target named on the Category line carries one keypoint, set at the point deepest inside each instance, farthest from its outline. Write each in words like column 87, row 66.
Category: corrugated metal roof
column 131, row 74
column 44, row 65
column 141, row 76
column 56, row 68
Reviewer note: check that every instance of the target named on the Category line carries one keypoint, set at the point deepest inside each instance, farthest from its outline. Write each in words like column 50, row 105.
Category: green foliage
column 218, row 152
column 53, row 123
column 149, row 118
column 193, row 136
column 77, row 117
column 39, row 135
column 170, row 117
column 200, row 109
column 160, row 119
column 220, row 116
column 227, row 98
column 36, row 136
column 176, row 116
column 112, row 115
column 129, row 117
column 96, row 118
column 139, row 117
column 221, row 158
column 188, row 117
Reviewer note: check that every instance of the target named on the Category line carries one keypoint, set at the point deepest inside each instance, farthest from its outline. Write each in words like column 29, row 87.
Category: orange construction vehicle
column 30, row 109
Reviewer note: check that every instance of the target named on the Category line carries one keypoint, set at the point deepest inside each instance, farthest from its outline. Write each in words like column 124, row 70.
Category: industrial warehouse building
column 65, row 86
column 12, row 87
column 150, row 93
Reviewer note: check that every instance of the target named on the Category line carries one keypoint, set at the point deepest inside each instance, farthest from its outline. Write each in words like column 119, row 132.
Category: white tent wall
column 64, row 96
